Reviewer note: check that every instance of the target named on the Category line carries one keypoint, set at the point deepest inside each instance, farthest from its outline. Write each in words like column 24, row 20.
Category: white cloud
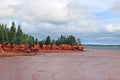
column 6, row 8
column 113, row 27
column 40, row 10
column 56, row 17
column 73, row 16
column 116, row 7
column 50, row 16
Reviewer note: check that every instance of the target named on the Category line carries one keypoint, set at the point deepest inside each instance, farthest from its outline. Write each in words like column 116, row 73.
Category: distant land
column 101, row 46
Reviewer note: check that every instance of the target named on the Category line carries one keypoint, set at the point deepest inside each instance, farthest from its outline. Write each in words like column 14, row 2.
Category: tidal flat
column 88, row 65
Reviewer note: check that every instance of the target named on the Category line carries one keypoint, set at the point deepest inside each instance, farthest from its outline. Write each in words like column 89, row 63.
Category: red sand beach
column 88, row 65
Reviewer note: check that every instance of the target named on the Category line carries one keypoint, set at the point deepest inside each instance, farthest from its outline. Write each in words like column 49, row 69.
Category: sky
column 93, row 21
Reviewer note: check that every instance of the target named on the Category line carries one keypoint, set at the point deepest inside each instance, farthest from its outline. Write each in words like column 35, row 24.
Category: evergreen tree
column 48, row 40
column 2, row 33
column 53, row 42
column 25, row 38
column 58, row 42
column 19, row 35
column 12, row 33
column 41, row 42
column 71, row 40
column 6, row 32
column 31, row 40
column 62, row 39
column 36, row 41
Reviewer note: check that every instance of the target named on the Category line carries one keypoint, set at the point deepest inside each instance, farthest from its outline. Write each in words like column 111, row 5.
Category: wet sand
column 88, row 65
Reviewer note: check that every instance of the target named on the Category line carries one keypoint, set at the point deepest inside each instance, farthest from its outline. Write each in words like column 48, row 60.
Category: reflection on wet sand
column 88, row 65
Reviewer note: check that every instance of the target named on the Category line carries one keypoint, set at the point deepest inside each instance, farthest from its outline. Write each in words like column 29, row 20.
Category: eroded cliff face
column 37, row 47
column 1, row 49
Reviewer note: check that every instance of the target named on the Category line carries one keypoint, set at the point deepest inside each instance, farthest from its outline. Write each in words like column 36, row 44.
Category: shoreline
column 23, row 49
column 13, row 54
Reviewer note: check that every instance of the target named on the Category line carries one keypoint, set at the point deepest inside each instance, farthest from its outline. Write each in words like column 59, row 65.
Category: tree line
column 71, row 40
column 15, row 35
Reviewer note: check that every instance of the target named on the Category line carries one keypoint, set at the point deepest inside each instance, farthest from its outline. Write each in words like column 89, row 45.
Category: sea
column 108, row 47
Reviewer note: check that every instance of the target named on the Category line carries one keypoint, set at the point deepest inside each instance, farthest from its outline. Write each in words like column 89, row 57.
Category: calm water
column 111, row 47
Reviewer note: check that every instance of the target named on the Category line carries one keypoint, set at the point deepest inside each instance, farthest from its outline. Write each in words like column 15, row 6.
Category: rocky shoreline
column 23, row 49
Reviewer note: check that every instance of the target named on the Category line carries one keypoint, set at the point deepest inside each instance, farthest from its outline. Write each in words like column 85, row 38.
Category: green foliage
column 16, row 35
column 53, row 42
column 41, row 42
column 62, row 40
column 19, row 35
column 71, row 40
column 6, row 32
column 3, row 33
column 25, row 38
column 12, row 33
column 30, row 40
column 48, row 40
column 36, row 41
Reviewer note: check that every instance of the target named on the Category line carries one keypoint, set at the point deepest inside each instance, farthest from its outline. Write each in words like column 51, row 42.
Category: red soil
column 15, row 49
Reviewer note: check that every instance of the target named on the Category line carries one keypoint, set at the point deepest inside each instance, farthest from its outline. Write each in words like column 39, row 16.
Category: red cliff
column 17, row 48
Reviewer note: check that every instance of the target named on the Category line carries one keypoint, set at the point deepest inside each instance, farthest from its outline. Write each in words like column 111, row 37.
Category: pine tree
column 25, row 39
column 1, row 33
column 71, row 40
column 19, row 35
column 6, row 32
column 48, row 40
column 31, row 40
column 57, row 42
column 53, row 42
column 36, row 41
column 62, row 39
column 12, row 33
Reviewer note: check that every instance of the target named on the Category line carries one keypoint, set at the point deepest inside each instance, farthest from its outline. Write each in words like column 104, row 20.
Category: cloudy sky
column 94, row 21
